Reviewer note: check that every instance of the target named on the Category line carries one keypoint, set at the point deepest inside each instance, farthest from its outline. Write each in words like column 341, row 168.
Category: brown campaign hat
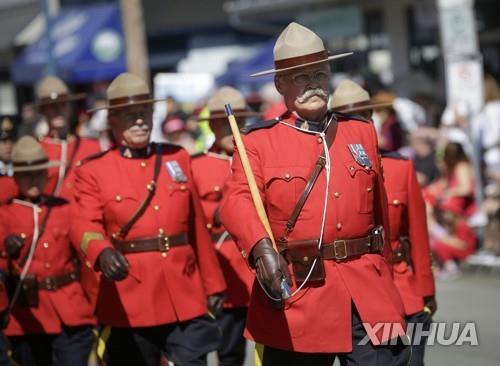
column 127, row 90
column 228, row 95
column 350, row 97
column 51, row 90
column 298, row 46
column 28, row 155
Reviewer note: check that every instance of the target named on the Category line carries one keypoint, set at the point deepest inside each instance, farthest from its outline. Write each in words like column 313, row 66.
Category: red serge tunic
column 318, row 318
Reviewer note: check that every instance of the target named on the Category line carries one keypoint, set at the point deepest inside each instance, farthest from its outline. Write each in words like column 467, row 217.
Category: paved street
column 475, row 297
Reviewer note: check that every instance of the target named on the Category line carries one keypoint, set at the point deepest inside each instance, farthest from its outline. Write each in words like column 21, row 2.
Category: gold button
column 79, row 163
column 287, row 176
column 336, row 194
column 88, row 264
column 156, row 207
column 369, row 189
column 23, row 236
column 217, row 188
column 47, row 265
column 132, row 245
column 339, row 226
column 396, row 202
column 39, row 209
column 351, row 168
column 161, row 231
column 143, row 164
column 45, row 245
column 164, row 255
column 118, row 198
column 243, row 254
column 183, row 187
column 209, row 226
column 306, row 258
column 320, row 140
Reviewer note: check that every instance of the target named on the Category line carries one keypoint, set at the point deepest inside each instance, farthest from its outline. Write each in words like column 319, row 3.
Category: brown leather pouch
column 28, row 296
column 302, row 253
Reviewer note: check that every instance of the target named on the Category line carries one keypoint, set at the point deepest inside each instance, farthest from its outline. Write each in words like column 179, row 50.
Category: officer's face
column 306, row 90
column 223, row 134
column 57, row 114
column 31, row 184
column 6, row 149
column 132, row 125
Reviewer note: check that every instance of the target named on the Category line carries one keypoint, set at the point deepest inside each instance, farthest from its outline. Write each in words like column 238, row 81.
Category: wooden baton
column 254, row 190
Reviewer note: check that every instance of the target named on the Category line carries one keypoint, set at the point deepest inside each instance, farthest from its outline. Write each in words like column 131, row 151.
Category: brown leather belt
column 160, row 243
column 217, row 236
column 345, row 249
column 54, row 283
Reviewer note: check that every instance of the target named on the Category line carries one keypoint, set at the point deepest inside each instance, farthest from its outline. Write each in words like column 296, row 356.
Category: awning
column 238, row 73
column 88, row 46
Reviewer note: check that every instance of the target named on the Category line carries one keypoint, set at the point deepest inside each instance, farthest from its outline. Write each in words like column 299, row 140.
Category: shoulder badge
column 343, row 117
column 392, row 155
column 92, row 157
column 259, row 125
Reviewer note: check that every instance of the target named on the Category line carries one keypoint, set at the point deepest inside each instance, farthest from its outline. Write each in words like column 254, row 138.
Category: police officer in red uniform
column 8, row 187
column 49, row 319
column 409, row 236
column 140, row 223
column 210, row 172
column 320, row 179
column 55, row 103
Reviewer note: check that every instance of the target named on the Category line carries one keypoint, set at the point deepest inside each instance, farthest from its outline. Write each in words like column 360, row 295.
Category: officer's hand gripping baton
column 259, row 206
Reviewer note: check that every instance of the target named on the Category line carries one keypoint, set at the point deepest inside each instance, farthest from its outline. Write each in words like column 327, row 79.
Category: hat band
column 129, row 100
column 355, row 105
column 30, row 163
column 223, row 112
column 52, row 99
column 300, row 60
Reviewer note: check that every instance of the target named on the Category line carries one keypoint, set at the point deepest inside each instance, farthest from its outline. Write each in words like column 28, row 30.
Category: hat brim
column 275, row 71
column 30, row 168
column 128, row 104
column 363, row 107
column 223, row 115
column 62, row 99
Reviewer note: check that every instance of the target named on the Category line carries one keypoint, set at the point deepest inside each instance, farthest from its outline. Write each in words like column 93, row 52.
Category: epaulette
column 259, row 125
column 392, row 155
column 92, row 157
column 198, row 155
column 54, row 201
column 346, row 117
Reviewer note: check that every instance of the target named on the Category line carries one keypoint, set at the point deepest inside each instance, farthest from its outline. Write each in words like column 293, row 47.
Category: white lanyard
column 62, row 167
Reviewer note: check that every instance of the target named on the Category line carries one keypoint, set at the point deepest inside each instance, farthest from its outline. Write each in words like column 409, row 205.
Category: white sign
column 458, row 28
column 464, row 84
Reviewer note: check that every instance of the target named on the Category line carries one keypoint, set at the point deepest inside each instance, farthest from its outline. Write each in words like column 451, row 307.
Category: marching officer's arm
column 380, row 200
column 237, row 210
column 211, row 274
column 419, row 238
column 87, row 229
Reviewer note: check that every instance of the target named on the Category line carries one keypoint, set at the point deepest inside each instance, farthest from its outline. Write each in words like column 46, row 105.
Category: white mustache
column 137, row 128
column 318, row 92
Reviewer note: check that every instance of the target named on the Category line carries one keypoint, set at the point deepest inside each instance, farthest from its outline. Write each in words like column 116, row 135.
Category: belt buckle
column 50, row 284
column 163, row 244
column 342, row 254
column 378, row 238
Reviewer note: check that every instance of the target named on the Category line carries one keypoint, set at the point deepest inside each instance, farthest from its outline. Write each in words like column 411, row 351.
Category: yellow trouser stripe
column 259, row 354
column 101, row 342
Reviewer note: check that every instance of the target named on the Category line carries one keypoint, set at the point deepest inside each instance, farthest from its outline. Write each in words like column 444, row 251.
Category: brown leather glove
column 271, row 267
column 431, row 303
column 113, row 264
column 215, row 303
column 13, row 245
